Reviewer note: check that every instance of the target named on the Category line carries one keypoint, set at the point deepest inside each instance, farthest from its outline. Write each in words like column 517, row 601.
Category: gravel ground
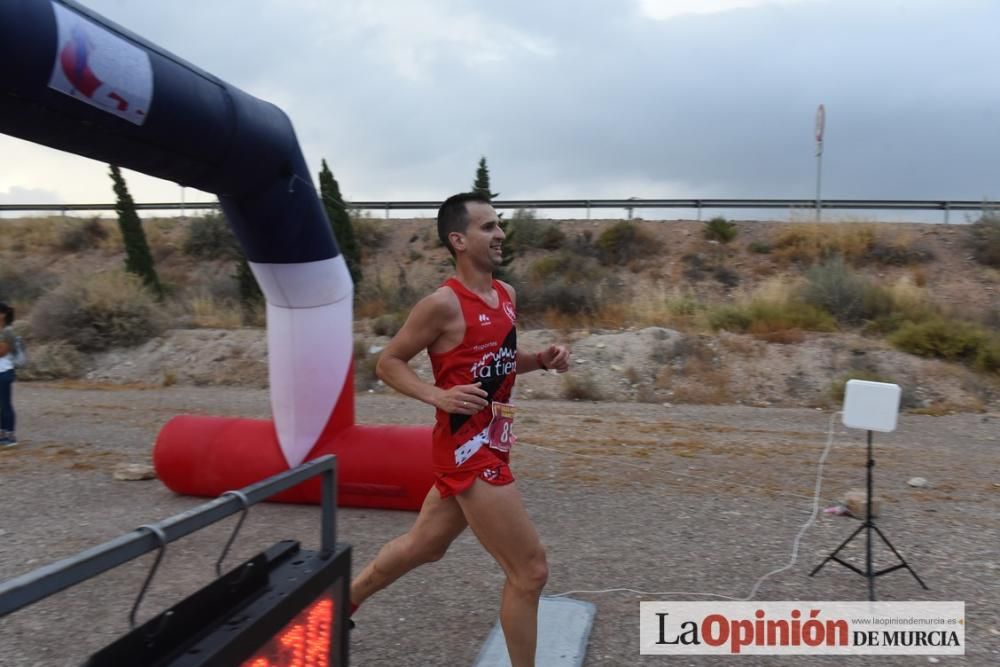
column 695, row 499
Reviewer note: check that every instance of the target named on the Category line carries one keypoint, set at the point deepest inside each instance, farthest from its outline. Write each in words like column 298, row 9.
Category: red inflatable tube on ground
column 378, row 466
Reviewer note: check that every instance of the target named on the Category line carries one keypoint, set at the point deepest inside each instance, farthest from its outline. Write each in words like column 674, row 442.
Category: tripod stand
column 869, row 526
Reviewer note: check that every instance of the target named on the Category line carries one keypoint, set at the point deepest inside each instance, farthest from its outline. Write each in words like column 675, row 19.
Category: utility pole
column 820, row 122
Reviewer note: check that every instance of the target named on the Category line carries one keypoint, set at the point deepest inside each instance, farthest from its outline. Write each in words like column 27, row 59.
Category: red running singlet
column 487, row 354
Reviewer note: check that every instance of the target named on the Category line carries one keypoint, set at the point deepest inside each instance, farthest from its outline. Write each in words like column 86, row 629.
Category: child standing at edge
column 7, row 377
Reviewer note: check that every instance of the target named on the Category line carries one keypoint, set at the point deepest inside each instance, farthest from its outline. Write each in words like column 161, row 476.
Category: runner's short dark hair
column 453, row 216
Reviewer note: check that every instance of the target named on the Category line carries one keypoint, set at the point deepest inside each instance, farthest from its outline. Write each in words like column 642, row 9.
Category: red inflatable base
column 384, row 467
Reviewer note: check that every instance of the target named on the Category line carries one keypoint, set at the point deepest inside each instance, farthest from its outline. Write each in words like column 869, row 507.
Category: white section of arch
column 309, row 348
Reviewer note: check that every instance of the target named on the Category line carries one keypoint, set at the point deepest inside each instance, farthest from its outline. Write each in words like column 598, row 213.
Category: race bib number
column 501, row 429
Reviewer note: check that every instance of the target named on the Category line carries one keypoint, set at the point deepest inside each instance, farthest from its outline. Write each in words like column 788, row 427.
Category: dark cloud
column 572, row 99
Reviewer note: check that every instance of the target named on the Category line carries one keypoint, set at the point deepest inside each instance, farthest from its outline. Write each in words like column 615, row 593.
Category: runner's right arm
column 425, row 324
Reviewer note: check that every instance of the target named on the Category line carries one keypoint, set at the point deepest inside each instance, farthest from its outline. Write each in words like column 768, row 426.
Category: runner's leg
column 440, row 521
column 497, row 516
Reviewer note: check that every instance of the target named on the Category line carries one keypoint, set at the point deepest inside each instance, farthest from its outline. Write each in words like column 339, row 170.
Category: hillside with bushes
column 659, row 311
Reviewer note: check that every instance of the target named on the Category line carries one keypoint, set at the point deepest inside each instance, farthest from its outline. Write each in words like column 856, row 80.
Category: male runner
column 467, row 328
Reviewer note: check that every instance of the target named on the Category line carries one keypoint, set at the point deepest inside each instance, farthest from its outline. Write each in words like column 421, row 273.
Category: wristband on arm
column 538, row 360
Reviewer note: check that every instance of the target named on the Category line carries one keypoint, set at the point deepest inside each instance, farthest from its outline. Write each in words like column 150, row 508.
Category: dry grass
column 812, row 243
column 857, row 243
column 34, row 234
column 207, row 312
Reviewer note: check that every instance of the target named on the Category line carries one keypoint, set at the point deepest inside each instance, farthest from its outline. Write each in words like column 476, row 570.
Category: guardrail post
column 947, row 211
column 588, row 209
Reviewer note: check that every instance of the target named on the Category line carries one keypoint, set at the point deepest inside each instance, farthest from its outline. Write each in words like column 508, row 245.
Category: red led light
column 303, row 642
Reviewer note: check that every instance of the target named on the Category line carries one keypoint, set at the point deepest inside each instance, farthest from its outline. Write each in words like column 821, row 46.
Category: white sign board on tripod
column 872, row 406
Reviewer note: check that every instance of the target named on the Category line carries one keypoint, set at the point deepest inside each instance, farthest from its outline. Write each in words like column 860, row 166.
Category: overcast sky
column 589, row 99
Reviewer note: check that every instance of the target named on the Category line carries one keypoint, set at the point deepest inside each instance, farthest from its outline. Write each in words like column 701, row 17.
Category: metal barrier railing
column 29, row 588
column 630, row 203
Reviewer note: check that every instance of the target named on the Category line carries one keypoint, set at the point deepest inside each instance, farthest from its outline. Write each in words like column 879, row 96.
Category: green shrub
column 83, row 236
column 695, row 267
column 98, row 312
column 19, row 284
column 839, row 386
column 719, row 229
column 726, row 276
column 564, row 297
column 768, row 316
column 528, row 232
column 984, row 239
column 623, row 242
column 898, row 254
column 760, row 247
column 730, row 318
column 563, row 282
column 209, row 237
column 764, row 317
column 950, row 340
column 988, row 357
column 568, row 266
column 847, row 295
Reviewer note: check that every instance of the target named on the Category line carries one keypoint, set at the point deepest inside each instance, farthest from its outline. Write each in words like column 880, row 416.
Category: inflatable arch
column 77, row 82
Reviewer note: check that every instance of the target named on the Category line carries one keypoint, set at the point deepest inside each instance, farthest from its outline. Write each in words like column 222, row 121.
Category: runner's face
column 483, row 236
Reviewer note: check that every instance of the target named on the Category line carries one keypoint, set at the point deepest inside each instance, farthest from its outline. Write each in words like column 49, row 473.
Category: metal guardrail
column 630, row 203
column 29, row 588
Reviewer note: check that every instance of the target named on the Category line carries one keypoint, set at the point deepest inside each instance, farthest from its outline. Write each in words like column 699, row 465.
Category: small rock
column 601, row 346
column 668, row 405
column 617, row 369
column 581, row 361
column 132, row 472
column 931, row 658
column 374, row 349
column 918, row 482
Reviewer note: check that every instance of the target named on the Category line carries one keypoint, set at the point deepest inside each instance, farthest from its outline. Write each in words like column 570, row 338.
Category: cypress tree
column 138, row 259
column 482, row 182
column 340, row 221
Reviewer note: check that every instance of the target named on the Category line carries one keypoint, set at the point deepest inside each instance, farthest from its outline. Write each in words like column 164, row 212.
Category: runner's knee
column 427, row 551
column 532, row 575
